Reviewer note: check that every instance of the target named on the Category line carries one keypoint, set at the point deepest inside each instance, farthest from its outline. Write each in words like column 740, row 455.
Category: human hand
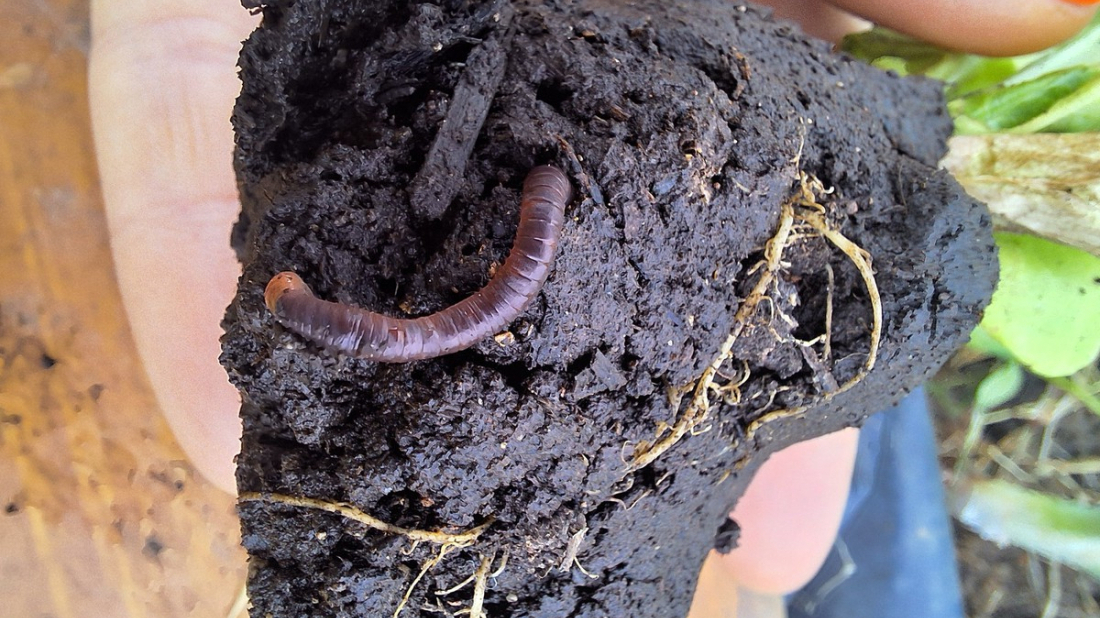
column 162, row 84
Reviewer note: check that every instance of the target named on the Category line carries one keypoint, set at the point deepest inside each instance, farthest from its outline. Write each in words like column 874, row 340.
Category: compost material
column 759, row 250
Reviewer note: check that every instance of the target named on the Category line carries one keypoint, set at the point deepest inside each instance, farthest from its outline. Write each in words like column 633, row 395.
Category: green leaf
column 1058, row 529
column 1001, row 385
column 982, row 342
column 902, row 54
column 1011, row 106
column 1077, row 112
column 1046, row 309
column 965, row 74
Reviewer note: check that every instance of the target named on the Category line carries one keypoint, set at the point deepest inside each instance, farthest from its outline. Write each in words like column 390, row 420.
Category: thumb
column 161, row 86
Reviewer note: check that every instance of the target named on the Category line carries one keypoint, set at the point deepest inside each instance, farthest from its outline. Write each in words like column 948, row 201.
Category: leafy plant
column 1011, row 482
column 1056, row 90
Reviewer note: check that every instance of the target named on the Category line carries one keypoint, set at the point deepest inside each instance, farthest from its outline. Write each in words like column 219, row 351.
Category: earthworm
column 373, row 336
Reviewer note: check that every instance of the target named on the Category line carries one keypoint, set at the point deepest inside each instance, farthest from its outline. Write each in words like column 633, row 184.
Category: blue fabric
column 895, row 555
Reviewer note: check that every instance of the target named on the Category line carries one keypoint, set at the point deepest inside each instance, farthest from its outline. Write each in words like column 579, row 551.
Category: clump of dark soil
column 713, row 299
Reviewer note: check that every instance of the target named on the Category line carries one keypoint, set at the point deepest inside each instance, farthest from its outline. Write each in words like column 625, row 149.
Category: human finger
column 818, row 18
column 790, row 514
column 788, row 518
column 1001, row 28
column 162, row 82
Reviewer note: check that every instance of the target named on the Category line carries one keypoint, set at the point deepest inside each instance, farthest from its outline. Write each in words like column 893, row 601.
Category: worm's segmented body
column 373, row 336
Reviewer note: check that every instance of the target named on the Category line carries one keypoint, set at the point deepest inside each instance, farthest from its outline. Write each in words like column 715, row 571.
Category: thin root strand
column 800, row 211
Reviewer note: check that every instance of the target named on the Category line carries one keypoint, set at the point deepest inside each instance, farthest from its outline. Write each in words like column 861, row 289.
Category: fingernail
column 1082, row 2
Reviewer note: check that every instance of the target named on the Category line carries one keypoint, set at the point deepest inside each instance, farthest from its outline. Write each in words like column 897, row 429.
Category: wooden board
column 102, row 515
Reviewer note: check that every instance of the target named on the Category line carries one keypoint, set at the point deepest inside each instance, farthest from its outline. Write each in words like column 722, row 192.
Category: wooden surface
column 102, row 515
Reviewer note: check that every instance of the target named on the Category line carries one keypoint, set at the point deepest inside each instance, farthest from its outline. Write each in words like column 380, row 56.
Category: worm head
column 281, row 285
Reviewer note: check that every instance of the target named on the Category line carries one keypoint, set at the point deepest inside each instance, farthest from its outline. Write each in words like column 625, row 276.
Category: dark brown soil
column 366, row 167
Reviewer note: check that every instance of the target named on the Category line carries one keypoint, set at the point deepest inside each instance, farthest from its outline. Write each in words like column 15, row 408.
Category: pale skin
column 165, row 160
